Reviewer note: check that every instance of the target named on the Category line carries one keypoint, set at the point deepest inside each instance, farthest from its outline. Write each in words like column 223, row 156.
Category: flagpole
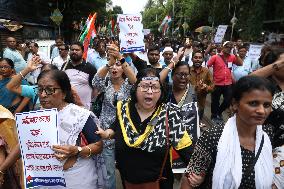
column 173, row 20
column 81, row 32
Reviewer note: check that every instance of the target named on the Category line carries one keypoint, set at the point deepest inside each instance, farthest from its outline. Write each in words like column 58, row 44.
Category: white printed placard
column 37, row 132
column 146, row 31
column 220, row 33
column 254, row 51
column 131, row 33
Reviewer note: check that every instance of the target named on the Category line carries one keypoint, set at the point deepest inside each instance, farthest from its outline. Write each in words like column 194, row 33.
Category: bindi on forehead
column 150, row 82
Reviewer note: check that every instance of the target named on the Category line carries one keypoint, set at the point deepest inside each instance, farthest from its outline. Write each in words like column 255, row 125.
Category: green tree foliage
column 250, row 14
column 117, row 10
column 153, row 15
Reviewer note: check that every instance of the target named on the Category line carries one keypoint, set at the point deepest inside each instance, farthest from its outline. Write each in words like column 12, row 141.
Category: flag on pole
column 85, row 29
column 91, row 33
column 111, row 27
column 163, row 28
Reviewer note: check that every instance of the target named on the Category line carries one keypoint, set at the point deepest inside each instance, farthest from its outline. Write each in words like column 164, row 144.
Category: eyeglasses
column 145, row 88
column 61, row 49
column 47, row 90
column 182, row 75
column 5, row 67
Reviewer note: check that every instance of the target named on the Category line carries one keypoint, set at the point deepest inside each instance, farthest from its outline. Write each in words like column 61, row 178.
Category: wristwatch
column 79, row 150
column 122, row 60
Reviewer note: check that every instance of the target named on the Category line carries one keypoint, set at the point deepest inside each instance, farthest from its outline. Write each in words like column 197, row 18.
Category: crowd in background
column 119, row 96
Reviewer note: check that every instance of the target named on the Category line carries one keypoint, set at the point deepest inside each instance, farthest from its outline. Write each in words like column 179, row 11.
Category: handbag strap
column 256, row 157
column 167, row 150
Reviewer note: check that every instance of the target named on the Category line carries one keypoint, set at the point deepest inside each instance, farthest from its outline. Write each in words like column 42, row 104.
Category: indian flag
column 91, row 33
column 163, row 28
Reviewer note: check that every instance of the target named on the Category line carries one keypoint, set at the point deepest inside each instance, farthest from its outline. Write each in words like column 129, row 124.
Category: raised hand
column 33, row 63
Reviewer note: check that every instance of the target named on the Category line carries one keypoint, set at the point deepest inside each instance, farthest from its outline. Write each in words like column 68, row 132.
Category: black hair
column 50, row 66
column 147, row 72
column 197, row 51
column 243, row 47
column 79, row 44
column 272, row 56
column 66, row 47
column 9, row 61
column 180, row 63
column 61, row 78
column 153, row 48
column 99, row 42
column 59, row 37
column 211, row 50
column 249, row 83
column 35, row 44
column 165, row 41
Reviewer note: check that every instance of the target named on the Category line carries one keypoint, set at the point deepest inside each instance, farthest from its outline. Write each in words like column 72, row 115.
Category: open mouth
column 114, row 72
column 182, row 84
column 148, row 100
column 44, row 103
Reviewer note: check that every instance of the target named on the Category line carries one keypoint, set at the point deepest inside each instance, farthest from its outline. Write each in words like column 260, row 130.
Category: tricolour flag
column 91, row 33
column 111, row 27
column 85, row 29
column 163, row 28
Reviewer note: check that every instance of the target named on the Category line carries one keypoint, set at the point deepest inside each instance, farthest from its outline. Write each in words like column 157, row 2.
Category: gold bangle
column 90, row 151
column 1, row 172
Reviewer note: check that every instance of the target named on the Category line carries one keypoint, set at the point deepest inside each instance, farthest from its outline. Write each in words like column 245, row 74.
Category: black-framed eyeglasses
column 5, row 67
column 182, row 75
column 47, row 90
column 145, row 88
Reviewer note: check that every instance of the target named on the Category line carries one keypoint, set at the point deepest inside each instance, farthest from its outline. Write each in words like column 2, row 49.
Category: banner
column 190, row 118
column 220, row 34
column 254, row 51
column 37, row 132
column 146, row 31
column 131, row 33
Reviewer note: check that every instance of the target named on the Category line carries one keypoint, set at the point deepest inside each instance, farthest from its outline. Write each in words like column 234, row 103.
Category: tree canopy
column 250, row 14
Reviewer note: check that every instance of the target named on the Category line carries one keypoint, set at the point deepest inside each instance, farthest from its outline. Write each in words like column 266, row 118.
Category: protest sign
column 220, row 33
column 146, row 31
column 190, row 119
column 254, row 51
column 131, row 33
column 37, row 132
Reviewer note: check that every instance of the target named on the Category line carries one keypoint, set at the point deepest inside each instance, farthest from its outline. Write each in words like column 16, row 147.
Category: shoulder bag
column 155, row 184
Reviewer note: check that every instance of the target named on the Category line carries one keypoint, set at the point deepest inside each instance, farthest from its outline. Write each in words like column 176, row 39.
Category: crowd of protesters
column 128, row 109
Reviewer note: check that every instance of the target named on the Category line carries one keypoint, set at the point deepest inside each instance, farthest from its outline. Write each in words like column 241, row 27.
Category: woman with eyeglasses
column 180, row 92
column 114, row 81
column 81, row 165
column 10, row 100
column 144, row 130
column 31, row 91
